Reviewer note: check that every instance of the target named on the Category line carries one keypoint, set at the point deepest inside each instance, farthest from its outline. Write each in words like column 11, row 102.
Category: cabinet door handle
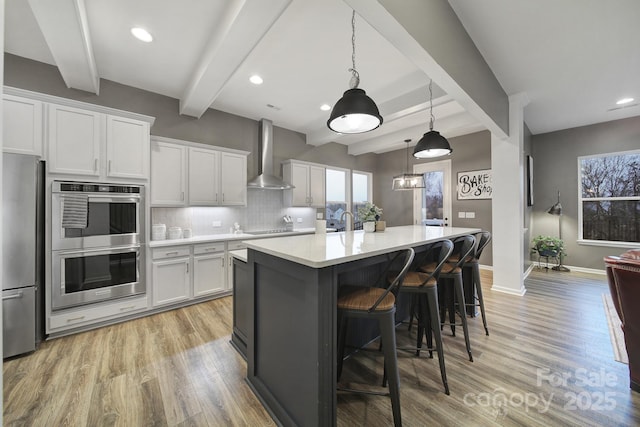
column 216, row 197
column 182, row 196
column 187, row 268
column 209, row 249
column 222, row 197
column 95, row 165
column 222, row 262
column 109, row 166
column 14, row 296
column 171, row 253
column 127, row 308
column 75, row 319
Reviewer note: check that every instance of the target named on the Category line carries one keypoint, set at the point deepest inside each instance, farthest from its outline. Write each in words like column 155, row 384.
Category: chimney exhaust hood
column 265, row 180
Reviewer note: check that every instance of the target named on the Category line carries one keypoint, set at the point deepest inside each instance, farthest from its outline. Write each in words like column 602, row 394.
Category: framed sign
column 474, row 185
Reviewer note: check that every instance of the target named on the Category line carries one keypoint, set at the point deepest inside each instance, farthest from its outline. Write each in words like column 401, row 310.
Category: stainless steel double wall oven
column 97, row 241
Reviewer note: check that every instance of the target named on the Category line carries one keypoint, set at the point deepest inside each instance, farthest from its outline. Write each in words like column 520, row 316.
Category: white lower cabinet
column 208, row 274
column 208, row 269
column 182, row 273
column 170, row 281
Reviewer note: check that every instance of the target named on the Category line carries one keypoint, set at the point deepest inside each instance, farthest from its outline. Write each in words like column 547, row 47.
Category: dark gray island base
column 291, row 342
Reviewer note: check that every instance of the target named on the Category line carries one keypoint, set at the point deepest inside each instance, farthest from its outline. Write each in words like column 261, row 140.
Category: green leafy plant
column 548, row 246
column 369, row 212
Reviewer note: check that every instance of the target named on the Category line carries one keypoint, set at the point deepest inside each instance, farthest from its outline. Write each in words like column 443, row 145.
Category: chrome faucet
column 349, row 226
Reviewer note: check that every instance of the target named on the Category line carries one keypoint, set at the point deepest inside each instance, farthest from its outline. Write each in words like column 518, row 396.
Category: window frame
column 581, row 200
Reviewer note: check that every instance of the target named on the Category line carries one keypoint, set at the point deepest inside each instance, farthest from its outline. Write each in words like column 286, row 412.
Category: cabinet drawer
column 233, row 246
column 85, row 316
column 170, row 252
column 207, row 248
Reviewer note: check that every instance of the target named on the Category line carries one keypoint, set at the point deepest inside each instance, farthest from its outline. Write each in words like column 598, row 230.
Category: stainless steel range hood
column 265, row 179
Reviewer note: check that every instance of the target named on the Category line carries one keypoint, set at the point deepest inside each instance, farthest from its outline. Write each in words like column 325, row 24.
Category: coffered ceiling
column 573, row 59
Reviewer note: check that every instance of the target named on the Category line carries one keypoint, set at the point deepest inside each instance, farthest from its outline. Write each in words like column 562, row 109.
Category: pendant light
column 355, row 112
column 408, row 181
column 432, row 143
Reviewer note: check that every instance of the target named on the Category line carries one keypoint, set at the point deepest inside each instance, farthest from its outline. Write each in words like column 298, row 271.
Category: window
column 362, row 191
column 609, row 198
column 336, row 192
column 346, row 191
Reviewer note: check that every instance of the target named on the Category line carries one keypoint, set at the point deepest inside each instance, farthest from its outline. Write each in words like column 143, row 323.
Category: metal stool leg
column 432, row 302
column 457, row 281
column 478, row 288
column 388, row 336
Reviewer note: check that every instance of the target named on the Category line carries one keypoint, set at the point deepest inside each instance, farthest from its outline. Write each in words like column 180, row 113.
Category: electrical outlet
column 299, row 220
column 462, row 214
column 319, row 215
column 471, row 214
column 217, row 223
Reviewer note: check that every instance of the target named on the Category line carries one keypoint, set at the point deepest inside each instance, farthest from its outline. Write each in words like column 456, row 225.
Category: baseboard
column 586, row 270
column 509, row 291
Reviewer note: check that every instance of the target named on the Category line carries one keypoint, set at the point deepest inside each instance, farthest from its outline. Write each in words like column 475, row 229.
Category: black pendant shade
column 355, row 112
column 432, row 144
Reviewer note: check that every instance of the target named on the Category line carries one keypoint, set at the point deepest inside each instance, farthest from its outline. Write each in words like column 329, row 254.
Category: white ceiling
column 573, row 59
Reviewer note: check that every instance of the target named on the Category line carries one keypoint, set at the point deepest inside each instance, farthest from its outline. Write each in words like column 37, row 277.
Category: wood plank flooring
column 547, row 362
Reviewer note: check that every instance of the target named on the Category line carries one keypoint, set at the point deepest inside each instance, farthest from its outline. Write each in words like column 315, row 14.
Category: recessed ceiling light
column 256, row 79
column 624, row 101
column 141, row 34
column 325, row 107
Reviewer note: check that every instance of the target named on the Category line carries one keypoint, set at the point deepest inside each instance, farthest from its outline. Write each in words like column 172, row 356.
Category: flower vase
column 369, row 226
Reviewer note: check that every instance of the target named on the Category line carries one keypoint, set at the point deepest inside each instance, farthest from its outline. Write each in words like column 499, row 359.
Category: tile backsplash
column 264, row 211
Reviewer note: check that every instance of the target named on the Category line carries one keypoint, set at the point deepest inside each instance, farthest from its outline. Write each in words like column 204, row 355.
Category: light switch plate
column 298, row 219
column 319, row 215
column 471, row 214
column 216, row 223
column 462, row 214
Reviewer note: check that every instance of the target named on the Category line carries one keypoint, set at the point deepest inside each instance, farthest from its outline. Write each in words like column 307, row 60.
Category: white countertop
column 225, row 237
column 240, row 254
column 323, row 250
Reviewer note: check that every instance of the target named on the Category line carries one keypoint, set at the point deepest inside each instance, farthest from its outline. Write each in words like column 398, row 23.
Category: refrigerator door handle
column 17, row 295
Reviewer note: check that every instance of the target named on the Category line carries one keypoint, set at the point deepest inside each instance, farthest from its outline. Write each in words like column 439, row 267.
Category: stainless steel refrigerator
column 22, row 248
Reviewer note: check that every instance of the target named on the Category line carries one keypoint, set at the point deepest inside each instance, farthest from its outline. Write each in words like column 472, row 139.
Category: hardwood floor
column 548, row 361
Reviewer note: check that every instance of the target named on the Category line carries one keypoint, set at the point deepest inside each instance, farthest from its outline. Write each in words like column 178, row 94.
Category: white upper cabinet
column 168, row 174
column 83, row 142
column 204, row 173
column 233, row 178
column 213, row 177
column 22, row 125
column 74, row 141
column 127, row 148
column 309, row 182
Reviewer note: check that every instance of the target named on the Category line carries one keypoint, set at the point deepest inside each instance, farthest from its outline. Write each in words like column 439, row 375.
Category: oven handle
column 113, row 199
column 98, row 251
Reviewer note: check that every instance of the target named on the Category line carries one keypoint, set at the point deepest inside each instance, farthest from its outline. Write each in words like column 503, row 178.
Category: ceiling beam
column 243, row 26
column 65, row 28
column 430, row 35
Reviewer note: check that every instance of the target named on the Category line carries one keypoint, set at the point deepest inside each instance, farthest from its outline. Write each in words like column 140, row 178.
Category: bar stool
column 423, row 287
column 472, row 265
column 451, row 276
column 380, row 304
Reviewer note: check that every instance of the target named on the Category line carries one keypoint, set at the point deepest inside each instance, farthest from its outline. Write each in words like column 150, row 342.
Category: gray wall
column 556, row 168
column 470, row 152
column 213, row 128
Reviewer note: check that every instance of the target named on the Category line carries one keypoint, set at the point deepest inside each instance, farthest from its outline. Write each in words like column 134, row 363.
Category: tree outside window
column 610, row 197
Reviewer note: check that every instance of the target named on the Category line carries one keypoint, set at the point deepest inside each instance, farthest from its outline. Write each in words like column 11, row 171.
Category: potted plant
column 369, row 214
column 547, row 246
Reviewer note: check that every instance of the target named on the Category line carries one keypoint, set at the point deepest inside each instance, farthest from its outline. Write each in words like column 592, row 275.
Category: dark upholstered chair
column 623, row 273
column 377, row 303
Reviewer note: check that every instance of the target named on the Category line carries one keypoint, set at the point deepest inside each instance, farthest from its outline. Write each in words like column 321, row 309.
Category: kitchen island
column 294, row 282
